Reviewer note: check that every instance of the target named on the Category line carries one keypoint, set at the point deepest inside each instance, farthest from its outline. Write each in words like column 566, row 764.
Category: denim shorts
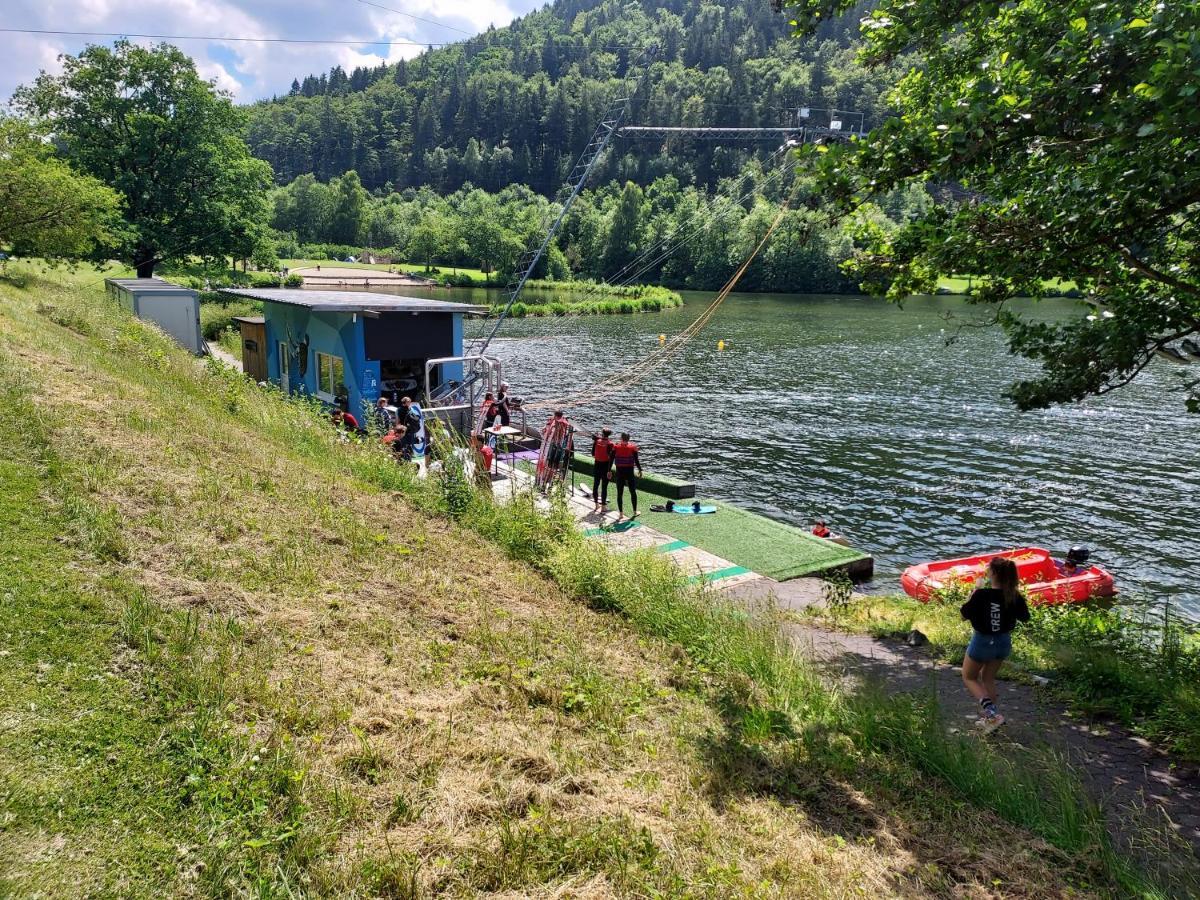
column 989, row 647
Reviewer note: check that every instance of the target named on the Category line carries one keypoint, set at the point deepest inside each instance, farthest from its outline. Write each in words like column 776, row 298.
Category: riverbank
column 334, row 676
column 1134, row 663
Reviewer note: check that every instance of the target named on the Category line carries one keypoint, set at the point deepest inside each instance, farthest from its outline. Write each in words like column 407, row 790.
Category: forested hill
column 516, row 104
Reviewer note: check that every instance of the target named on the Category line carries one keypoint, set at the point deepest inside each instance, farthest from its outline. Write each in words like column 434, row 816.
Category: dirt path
column 1123, row 772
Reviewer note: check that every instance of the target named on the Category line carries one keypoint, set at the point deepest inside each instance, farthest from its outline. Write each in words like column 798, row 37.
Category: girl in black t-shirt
column 993, row 612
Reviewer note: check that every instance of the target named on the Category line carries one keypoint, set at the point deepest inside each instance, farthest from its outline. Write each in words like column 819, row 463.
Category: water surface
column 855, row 410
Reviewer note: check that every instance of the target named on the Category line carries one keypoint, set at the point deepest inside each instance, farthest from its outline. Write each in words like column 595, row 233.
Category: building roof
column 354, row 301
column 250, row 320
column 151, row 285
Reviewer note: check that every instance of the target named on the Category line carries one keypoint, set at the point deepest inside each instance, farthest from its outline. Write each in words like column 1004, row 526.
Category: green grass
column 121, row 772
column 217, row 317
column 962, row 284
column 540, row 297
column 1135, row 662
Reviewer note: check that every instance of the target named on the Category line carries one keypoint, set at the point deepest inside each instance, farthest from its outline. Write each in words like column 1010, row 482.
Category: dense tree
column 304, row 208
column 348, row 212
column 144, row 122
column 697, row 238
column 428, row 241
column 517, row 104
column 47, row 209
column 1070, row 131
column 626, row 231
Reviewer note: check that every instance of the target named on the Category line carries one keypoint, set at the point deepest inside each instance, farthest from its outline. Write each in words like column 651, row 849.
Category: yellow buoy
column 662, row 338
column 720, row 345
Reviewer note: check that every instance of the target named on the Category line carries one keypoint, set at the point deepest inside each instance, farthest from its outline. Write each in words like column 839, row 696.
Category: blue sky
column 249, row 71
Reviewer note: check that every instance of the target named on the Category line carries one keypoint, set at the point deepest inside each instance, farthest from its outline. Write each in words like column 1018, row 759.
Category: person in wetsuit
column 558, row 440
column 993, row 612
column 602, row 453
column 626, row 459
column 410, row 420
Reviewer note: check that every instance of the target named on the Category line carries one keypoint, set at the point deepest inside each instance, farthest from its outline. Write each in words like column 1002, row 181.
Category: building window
column 331, row 377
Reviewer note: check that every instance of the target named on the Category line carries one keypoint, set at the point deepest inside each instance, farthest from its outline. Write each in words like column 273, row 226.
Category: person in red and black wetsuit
column 626, row 459
column 343, row 419
column 602, row 453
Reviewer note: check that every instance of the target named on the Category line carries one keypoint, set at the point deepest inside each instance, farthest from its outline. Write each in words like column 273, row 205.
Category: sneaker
column 991, row 721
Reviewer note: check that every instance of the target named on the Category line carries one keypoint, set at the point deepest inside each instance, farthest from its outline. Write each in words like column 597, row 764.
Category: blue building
column 354, row 346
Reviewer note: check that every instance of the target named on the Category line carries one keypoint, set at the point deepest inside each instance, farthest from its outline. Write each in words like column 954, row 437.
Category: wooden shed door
column 254, row 347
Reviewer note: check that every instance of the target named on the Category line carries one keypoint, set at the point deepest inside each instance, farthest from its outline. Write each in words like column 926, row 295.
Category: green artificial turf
column 760, row 544
column 746, row 538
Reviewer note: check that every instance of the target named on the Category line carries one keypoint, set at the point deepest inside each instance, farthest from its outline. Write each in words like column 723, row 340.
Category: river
column 856, row 410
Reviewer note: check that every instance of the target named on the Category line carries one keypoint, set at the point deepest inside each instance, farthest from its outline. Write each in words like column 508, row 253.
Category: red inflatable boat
column 1040, row 577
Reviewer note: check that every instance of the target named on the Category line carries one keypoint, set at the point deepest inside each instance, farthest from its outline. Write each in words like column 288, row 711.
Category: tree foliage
column 46, row 208
column 144, row 122
column 1070, row 133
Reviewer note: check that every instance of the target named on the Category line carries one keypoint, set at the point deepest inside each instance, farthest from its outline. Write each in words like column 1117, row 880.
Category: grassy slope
column 77, row 741
column 286, row 678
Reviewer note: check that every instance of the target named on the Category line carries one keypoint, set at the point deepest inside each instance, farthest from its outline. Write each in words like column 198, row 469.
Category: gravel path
column 1125, row 773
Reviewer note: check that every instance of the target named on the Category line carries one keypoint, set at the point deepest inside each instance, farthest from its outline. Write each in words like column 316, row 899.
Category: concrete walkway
column 228, row 358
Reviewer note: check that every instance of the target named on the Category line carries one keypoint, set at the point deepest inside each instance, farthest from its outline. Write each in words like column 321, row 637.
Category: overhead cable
column 409, row 15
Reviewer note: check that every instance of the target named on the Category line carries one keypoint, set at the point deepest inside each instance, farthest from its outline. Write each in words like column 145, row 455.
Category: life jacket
column 625, row 454
column 821, row 531
column 602, row 450
column 556, row 431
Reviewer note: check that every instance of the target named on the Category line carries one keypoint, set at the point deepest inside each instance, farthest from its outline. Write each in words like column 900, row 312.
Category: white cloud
column 249, row 70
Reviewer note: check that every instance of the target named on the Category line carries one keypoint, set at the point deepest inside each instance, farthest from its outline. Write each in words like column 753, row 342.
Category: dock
column 733, row 549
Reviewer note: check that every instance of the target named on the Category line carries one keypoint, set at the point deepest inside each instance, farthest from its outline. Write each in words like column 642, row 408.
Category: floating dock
column 732, row 548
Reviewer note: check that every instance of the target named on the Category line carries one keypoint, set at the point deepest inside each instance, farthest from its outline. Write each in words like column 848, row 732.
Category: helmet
column 1078, row 555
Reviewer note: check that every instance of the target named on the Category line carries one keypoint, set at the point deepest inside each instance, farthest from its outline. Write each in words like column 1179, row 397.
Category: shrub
column 264, row 279
column 217, row 317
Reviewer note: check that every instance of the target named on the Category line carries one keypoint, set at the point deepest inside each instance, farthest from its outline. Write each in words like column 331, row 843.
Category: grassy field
column 961, row 284
column 1134, row 662
column 244, row 657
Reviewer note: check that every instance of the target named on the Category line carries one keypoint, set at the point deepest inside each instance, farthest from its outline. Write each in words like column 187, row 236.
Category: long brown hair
column 1004, row 572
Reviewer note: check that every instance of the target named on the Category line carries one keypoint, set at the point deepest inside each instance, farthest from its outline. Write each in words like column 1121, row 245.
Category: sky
column 250, row 71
